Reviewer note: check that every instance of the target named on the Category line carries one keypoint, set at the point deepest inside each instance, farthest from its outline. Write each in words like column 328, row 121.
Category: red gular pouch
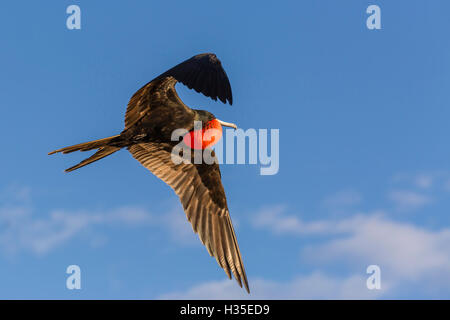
column 208, row 136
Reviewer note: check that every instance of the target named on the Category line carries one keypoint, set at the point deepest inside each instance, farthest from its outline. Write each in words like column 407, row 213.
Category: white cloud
column 346, row 198
column 408, row 256
column 20, row 229
column 274, row 219
column 409, row 200
column 447, row 185
column 424, row 181
column 402, row 250
column 179, row 227
column 313, row 286
column 15, row 193
column 24, row 228
column 406, row 253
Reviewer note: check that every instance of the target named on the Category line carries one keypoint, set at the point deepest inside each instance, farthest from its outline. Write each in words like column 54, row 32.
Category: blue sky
column 364, row 157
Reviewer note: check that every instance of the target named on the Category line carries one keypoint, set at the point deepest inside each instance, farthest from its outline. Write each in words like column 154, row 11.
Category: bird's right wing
column 203, row 73
column 201, row 193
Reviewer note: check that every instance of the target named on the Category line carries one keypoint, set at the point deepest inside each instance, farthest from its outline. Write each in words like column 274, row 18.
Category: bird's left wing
column 201, row 193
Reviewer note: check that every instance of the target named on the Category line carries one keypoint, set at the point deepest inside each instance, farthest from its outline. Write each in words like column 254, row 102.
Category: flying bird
column 153, row 113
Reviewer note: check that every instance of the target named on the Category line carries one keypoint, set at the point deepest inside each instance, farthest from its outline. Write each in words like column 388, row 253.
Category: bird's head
column 210, row 132
column 207, row 118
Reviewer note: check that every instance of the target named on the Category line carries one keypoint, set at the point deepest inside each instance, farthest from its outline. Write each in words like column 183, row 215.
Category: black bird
column 153, row 113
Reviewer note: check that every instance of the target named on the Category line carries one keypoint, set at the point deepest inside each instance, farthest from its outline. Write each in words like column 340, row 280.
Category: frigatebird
column 153, row 113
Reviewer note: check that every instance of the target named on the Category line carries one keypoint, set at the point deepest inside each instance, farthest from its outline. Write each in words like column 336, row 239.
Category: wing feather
column 201, row 193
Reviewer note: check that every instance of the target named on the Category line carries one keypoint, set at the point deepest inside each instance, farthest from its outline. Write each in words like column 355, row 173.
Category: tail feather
column 101, row 153
column 101, row 144
column 86, row 145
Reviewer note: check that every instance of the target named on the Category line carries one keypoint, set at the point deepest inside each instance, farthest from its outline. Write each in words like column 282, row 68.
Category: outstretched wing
column 201, row 193
column 203, row 73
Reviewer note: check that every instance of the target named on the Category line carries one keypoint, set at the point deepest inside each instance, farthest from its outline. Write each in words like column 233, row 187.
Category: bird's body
column 153, row 113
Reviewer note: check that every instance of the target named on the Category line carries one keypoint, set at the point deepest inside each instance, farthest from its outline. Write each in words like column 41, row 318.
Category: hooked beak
column 227, row 124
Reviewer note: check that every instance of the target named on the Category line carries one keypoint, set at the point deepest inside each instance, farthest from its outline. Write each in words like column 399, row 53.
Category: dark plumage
column 153, row 113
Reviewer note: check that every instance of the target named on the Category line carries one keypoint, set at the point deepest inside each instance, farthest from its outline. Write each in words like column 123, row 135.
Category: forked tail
column 104, row 149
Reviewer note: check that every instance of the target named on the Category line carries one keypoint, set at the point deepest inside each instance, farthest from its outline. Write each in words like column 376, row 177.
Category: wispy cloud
column 316, row 285
column 409, row 200
column 23, row 228
column 14, row 193
column 343, row 199
column 424, row 181
column 20, row 229
column 403, row 250
column 406, row 253
column 275, row 219
column 179, row 227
